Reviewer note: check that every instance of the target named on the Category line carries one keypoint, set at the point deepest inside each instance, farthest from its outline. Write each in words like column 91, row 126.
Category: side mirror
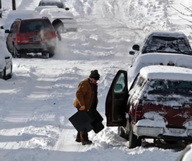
column 7, row 31
column 132, row 53
column 67, row 9
column 136, row 47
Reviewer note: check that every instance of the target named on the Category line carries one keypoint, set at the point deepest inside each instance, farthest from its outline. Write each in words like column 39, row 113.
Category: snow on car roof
column 166, row 72
column 15, row 14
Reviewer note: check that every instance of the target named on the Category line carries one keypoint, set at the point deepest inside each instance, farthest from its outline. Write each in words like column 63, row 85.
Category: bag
column 97, row 123
column 81, row 120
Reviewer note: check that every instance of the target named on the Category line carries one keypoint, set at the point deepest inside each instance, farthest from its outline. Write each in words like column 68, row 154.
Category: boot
column 78, row 139
column 84, row 138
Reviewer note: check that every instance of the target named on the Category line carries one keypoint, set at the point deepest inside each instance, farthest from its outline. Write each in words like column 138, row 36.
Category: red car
column 31, row 35
column 158, row 105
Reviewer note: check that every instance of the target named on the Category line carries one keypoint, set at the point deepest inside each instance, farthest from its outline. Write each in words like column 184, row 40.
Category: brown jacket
column 86, row 95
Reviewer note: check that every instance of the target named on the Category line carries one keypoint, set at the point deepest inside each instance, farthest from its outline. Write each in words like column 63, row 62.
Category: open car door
column 116, row 101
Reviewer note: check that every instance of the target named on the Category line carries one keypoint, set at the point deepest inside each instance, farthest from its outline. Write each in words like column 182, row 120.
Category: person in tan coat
column 86, row 99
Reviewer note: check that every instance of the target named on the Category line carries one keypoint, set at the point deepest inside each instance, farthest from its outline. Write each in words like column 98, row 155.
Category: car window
column 167, row 44
column 14, row 27
column 138, row 85
column 58, row 4
column 34, row 26
column 165, row 87
column 120, row 85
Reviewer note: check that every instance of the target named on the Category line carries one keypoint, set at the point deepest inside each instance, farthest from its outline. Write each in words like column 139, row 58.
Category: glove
column 82, row 108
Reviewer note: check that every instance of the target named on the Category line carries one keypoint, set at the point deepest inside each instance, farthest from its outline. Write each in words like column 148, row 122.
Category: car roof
column 161, row 72
column 51, row 1
column 167, row 34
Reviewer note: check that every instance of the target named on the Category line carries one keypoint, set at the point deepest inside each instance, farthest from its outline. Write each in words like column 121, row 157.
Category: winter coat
column 86, row 95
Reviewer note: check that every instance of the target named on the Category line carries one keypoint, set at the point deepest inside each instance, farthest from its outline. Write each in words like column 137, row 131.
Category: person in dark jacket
column 86, row 99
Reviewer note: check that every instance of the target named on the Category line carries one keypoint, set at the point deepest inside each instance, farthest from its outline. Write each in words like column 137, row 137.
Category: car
column 57, row 3
column 163, row 42
column 31, row 35
column 62, row 20
column 186, row 154
column 157, row 105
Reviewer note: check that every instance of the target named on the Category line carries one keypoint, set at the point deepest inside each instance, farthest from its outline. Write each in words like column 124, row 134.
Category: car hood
column 56, row 13
column 148, row 59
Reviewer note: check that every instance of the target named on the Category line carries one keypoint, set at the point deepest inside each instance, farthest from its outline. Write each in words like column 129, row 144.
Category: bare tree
column 13, row 5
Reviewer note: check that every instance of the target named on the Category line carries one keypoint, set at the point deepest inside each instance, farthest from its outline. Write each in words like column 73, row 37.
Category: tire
column 122, row 133
column 15, row 53
column 134, row 141
column 5, row 76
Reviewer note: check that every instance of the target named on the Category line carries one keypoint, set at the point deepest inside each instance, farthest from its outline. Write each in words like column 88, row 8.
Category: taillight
column 18, row 38
column 138, row 111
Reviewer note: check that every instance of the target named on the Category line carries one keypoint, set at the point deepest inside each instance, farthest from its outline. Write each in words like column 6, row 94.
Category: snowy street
column 37, row 102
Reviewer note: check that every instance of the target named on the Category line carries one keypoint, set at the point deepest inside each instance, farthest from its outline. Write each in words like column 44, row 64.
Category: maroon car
column 158, row 105
column 31, row 35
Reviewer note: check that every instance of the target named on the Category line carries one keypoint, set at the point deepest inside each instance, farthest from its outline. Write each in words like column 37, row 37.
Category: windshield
column 59, row 5
column 29, row 26
column 166, row 87
column 167, row 45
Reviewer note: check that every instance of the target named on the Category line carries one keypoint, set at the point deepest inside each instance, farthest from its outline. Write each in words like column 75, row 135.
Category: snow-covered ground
column 36, row 103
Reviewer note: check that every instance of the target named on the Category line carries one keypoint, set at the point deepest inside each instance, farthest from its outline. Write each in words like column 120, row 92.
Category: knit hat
column 94, row 74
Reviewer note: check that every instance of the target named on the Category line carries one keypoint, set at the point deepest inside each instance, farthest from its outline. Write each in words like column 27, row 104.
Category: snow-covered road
column 37, row 102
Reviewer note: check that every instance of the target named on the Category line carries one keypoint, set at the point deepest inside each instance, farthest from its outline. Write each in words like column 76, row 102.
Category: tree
column 13, row 5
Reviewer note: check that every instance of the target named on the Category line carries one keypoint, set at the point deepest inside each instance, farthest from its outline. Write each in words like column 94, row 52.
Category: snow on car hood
column 156, row 59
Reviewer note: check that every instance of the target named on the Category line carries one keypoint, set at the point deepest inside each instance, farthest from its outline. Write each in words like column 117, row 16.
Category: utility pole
column 1, row 10
column 13, row 5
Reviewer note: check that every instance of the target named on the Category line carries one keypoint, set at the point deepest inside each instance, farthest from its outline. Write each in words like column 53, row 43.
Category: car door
column 11, row 38
column 116, row 101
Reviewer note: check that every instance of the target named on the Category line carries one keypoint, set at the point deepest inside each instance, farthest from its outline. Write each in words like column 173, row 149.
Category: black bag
column 81, row 120
column 97, row 123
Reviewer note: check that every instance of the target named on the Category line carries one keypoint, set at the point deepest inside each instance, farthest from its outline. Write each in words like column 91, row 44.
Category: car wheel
column 134, row 141
column 45, row 55
column 5, row 76
column 122, row 133
column 15, row 52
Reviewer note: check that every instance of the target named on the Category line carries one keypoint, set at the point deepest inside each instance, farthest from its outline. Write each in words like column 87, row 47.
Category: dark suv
column 31, row 35
column 158, row 105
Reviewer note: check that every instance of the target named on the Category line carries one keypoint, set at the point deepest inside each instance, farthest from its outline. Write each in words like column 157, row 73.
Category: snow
column 166, row 73
column 37, row 102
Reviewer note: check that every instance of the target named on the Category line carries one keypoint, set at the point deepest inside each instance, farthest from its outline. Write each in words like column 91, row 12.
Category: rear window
column 167, row 45
column 28, row 26
column 166, row 87
column 58, row 4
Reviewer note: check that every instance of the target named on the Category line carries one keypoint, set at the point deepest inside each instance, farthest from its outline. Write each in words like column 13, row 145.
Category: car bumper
column 36, row 47
column 163, row 132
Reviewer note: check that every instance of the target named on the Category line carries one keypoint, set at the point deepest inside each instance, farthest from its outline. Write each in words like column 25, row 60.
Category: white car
column 57, row 3
column 62, row 19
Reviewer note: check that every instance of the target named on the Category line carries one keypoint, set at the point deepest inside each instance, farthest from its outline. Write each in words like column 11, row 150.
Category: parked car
column 186, row 154
column 163, row 42
column 5, row 66
column 31, row 35
column 157, row 105
column 57, row 3
column 62, row 20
